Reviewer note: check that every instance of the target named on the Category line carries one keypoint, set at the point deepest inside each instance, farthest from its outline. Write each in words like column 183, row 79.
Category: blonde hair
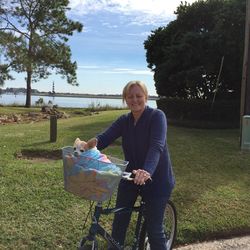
column 130, row 84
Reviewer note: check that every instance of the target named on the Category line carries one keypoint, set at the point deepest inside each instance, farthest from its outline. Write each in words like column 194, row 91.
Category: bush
column 39, row 102
column 201, row 113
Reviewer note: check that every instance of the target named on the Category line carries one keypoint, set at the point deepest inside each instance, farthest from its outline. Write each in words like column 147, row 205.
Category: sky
column 109, row 51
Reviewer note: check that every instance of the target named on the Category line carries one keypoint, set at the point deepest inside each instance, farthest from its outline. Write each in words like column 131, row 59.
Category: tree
column 33, row 36
column 4, row 68
column 186, row 55
column 4, row 74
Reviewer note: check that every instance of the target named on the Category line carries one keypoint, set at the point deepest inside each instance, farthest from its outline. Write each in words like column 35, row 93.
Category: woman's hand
column 141, row 176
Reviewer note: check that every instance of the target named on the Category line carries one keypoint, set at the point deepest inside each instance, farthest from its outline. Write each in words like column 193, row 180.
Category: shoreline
column 103, row 96
column 87, row 95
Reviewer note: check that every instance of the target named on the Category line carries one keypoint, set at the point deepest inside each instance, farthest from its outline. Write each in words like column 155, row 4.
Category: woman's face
column 136, row 99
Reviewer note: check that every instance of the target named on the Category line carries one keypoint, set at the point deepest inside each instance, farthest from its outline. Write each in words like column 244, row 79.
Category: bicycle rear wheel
column 170, row 227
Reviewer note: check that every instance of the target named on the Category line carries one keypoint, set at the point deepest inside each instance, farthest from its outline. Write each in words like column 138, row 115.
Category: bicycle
column 89, row 242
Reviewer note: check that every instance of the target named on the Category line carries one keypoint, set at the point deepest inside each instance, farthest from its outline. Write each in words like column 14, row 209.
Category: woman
column 143, row 132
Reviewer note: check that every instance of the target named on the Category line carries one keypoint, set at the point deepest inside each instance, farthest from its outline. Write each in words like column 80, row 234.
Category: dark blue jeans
column 155, row 207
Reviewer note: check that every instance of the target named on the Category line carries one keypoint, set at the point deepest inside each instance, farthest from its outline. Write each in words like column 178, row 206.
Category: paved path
column 238, row 243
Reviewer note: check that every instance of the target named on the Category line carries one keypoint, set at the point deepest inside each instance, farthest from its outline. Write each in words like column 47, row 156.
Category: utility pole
column 245, row 84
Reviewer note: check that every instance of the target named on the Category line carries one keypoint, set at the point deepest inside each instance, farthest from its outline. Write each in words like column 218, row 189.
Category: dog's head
column 81, row 146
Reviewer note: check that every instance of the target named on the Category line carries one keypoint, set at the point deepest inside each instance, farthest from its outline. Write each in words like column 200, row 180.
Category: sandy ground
column 238, row 243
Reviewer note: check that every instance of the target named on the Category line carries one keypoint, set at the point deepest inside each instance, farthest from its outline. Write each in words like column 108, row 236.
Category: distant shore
column 66, row 100
column 85, row 95
column 35, row 92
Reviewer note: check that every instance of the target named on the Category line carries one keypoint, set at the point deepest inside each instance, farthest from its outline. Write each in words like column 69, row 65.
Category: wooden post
column 53, row 128
column 245, row 84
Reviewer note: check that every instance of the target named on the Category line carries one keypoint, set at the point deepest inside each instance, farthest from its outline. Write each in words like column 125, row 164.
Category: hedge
column 201, row 113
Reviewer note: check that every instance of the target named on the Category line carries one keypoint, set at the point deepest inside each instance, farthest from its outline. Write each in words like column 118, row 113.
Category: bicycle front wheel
column 88, row 245
column 170, row 227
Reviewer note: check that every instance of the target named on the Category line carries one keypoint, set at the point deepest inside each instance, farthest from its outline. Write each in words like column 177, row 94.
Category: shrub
column 201, row 113
column 40, row 101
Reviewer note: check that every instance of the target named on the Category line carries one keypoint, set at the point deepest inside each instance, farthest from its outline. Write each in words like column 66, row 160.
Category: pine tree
column 33, row 36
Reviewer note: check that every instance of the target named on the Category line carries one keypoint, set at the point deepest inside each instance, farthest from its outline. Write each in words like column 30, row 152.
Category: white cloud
column 121, row 69
column 142, row 34
column 108, row 70
column 88, row 67
column 141, row 72
column 145, row 12
column 109, row 25
column 131, row 71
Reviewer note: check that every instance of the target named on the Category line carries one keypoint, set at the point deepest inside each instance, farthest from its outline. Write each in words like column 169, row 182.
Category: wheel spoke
column 170, row 221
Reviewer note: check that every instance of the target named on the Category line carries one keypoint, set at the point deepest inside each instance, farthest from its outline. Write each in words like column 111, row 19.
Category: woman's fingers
column 141, row 176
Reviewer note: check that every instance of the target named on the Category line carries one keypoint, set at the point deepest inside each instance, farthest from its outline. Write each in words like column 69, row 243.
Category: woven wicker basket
column 90, row 183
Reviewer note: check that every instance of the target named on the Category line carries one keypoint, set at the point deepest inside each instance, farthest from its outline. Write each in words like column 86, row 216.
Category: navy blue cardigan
column 144, row 146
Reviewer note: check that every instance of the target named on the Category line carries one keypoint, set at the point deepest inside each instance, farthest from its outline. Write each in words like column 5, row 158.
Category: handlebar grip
column 148, row 181
column 129, row 176
column 132, row 175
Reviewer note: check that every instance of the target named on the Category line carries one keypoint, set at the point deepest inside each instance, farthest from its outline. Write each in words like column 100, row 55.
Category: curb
column 239, row 243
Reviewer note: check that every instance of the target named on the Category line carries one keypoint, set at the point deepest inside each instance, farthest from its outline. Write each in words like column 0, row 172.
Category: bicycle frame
column 97, row 229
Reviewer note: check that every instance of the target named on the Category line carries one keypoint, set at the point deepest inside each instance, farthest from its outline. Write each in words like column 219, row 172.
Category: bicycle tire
column 88, row 245
column 170, row 215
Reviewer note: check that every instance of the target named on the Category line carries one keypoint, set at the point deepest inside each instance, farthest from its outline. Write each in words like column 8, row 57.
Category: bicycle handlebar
column 129, row 176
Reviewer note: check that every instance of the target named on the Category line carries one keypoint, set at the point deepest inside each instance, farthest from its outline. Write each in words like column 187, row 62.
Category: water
column 68, row 102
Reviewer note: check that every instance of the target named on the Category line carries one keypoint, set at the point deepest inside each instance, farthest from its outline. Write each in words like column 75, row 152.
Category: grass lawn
column 212, row 183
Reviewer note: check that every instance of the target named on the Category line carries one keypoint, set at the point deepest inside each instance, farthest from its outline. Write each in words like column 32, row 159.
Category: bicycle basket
column 89, row 178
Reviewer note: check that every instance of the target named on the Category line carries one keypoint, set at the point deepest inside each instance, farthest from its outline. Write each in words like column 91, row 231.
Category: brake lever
column 129, row 176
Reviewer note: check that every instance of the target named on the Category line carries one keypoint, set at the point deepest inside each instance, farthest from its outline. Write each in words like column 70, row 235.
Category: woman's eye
column 136, row 96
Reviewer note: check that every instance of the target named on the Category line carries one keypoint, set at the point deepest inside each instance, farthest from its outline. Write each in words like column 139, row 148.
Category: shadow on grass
column 40, row 154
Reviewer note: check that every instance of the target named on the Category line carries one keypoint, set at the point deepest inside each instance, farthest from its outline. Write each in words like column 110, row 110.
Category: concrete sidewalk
column 238, row 243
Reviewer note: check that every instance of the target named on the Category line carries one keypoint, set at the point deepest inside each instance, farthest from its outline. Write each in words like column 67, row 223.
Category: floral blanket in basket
column 89, row 178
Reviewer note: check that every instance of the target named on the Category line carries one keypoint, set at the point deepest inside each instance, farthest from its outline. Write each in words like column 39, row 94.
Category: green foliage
column 4, row 73
column 186, row 54
column 40, row 102
column 93, row 107
column 199, row 113
column 33, row 39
